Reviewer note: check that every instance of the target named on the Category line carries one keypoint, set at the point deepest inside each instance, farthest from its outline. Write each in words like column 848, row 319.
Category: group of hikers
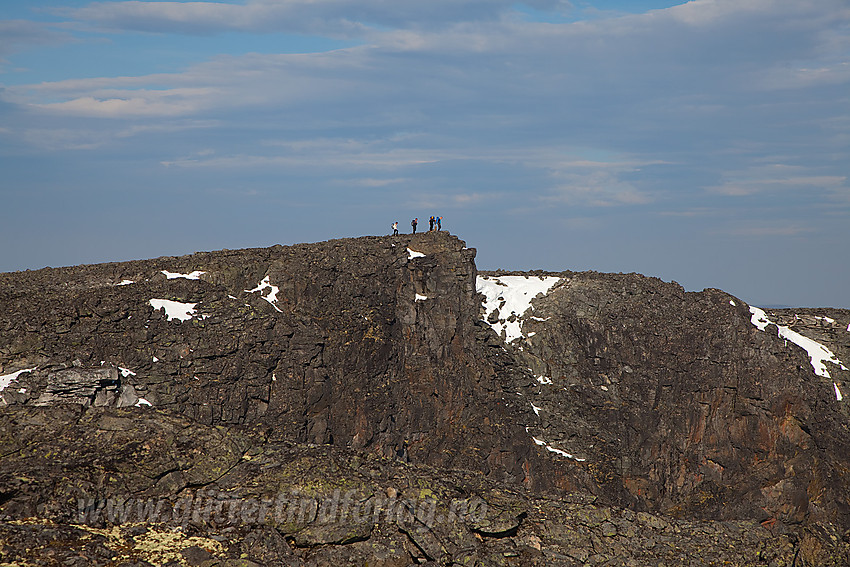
column 434, row 223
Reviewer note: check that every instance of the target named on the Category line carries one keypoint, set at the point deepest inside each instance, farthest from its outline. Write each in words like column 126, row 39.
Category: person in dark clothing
column 413, row 223
column 395, row 228
column 430, row 224
column 439, row 223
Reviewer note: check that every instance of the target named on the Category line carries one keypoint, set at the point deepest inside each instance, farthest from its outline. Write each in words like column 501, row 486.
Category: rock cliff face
column 680, row 403
column 557, row 418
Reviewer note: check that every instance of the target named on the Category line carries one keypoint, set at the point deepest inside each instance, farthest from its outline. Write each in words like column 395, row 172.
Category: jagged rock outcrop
column 248, row 374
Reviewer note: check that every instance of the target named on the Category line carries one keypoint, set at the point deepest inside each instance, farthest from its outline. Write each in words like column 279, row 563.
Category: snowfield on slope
column 818, row 354
column 174, row 309
column 511, row 295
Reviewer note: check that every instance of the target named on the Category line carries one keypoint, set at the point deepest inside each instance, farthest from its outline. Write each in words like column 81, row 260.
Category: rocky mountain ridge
column 390, row 366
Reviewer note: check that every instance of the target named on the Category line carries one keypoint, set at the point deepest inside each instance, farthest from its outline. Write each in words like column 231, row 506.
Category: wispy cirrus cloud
column 19, row 34
column 334, row 17
column 768, row 230
column 597, row 189
column 775, row 178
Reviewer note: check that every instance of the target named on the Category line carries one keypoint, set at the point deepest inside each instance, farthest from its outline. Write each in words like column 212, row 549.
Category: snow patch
column 174, row 309
column 536, row 409
column 818, row 354
column 411, row 254
column 829, row 320
column 142, row 402
column 196, row 275
column 544, row 379
column 7, row 379
column 421, row 297
column 838, row 395
column 126, row 282
column 512, row 295
column 557, row 451
column 126, row 372
column 155, row 359
column 732, row 302
column 759, row 318
column 271, row 296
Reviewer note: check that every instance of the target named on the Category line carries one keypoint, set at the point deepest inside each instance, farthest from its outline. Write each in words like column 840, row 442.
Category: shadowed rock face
column 621, row 393
column 680, row 404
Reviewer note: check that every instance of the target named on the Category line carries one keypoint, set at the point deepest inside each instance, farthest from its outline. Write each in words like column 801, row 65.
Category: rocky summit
column 378, row 401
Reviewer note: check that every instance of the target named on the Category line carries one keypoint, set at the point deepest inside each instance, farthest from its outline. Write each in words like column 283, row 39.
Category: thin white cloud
column 775, row 178
column 174, row 102
column 390, row 159
column 333, row 17
column 776, row 229
column 64, row 138
column 21, row 34
column 596, row 188
column 372, row 182
column 59, row 139
column 456, row 201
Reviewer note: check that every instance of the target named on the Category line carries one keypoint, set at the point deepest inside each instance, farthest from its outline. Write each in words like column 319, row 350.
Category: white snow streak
column 544, row 379
column 535, row 408
column 557, row 451
column 411, row 254
column 421, row 297
column 174, row 309
column 126, row 282
column 516, row 292
column 7, row 379
column 271, row 296
column 196, row 275
column 142, row 402
column 732, row 303
column 126, row 372
column 818, row 353
column 838, row 395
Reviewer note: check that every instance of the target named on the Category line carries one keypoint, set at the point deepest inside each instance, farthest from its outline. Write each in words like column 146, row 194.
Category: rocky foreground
column 377, row 401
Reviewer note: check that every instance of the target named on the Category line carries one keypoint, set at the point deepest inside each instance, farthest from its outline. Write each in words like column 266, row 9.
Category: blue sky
column 705, row 142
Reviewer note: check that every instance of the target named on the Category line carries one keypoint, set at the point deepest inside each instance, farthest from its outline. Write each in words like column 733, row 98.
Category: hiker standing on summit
column 439, row 223
column 395, row 228
column 413, row 224
column 430, row 224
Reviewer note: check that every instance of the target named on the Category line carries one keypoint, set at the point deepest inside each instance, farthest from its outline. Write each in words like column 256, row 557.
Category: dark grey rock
column 672, row 428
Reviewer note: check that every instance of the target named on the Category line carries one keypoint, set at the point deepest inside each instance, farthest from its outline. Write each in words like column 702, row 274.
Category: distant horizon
column 478, row 266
